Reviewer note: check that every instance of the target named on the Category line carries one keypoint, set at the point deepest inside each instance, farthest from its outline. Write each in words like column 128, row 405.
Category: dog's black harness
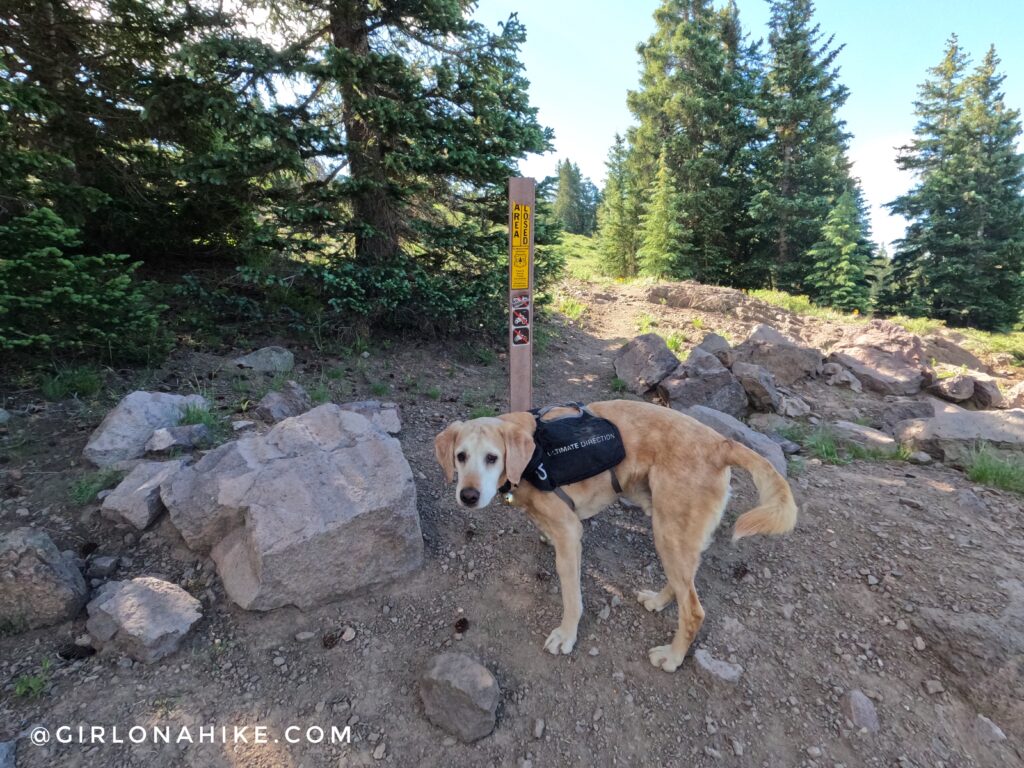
column 570, row 449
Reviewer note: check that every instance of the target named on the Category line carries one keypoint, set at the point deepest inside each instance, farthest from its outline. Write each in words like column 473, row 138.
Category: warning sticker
column 520, row 256
column 520, row 318
column 521, row 302
column 520, row 336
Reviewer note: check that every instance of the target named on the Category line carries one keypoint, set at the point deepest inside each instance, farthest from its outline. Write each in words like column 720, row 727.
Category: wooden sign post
column 521, row 213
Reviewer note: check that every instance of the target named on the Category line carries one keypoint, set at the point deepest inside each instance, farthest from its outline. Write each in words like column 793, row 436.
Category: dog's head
column 483, row 454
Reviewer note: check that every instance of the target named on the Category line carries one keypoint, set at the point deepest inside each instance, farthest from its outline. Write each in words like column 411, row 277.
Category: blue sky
column 580, row 57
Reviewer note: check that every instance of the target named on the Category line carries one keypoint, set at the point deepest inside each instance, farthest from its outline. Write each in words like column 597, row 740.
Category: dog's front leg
column 566, row 533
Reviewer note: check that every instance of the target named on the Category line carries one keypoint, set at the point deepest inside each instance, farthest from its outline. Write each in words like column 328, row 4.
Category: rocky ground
column 899, row 594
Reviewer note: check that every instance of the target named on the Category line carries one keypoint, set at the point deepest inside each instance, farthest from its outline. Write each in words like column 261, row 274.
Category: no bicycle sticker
column 520, row 336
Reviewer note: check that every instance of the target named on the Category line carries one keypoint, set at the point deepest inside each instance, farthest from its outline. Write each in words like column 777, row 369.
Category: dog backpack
column 573, row 448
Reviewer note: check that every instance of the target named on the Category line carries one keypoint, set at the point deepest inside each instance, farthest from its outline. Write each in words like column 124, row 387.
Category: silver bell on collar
column 508, row 498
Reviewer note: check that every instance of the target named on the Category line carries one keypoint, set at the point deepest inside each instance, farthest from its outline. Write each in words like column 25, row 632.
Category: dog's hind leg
column 656, row 601
column 680, row 530
column 680, row 560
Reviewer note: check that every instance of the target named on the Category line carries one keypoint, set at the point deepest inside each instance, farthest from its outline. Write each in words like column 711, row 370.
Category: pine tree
column 618, row 217
column 803, row 169
column 661, row 229
column 842, row 259
column 693, row 107
column 963, row 253
column 575, row 201
column 933, row 157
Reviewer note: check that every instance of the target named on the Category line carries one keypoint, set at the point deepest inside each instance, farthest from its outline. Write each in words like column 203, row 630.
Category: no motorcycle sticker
column 520, row 318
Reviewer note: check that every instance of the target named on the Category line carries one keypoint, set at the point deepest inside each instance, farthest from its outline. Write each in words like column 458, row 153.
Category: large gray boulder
column 986, row 392
column 902, row 408
column 787, row 360
column 953, row 434
column 321, row 506
column 759, row 385
column 145, row 618
column 719, row 347
column 38, row 585
column 955, row 388
column 267, row 360
column 136, row 500
column 1015, row 396
column 123, row 434
column 836, row 375
column 884, row 357
column 734, row 429
column 703, row 380
column 643, row 362
column 460, row 695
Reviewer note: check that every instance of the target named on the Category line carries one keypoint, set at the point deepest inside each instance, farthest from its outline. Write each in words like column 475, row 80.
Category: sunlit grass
column 989, row 468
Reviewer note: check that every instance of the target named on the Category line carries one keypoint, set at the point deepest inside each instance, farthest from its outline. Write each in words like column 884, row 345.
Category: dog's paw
column 560, row 641
column 664, row 657
column 651, row 600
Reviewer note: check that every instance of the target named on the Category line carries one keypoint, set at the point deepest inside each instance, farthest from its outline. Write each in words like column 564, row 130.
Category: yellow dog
column 675, row 468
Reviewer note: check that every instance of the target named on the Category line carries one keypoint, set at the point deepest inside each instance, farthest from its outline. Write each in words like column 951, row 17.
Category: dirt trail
column 895, row 577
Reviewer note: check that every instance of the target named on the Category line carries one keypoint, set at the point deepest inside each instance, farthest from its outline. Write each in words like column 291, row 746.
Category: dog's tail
column 777, row 511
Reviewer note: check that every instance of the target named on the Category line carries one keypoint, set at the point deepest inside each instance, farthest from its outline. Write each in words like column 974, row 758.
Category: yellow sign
column 521, row 224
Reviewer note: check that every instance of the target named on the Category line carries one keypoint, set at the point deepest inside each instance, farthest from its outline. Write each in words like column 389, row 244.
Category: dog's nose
column 469, row 496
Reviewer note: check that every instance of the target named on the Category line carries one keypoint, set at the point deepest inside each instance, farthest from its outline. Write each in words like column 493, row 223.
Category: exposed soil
column 896, row 575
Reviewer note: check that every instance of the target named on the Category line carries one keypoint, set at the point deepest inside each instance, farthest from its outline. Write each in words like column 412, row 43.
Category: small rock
column 594, row 652
column 242, row 424
column 919, row 643
column 102, row 567
column 184, row 437
column 292, row 400
column 8, row 752
column 920, row 457
column 933, row 687
column 378, row 753
column 538, row 728
column 787, row 611
column 39, row 586
column 986, row 731
column 145, row 618
column 814, row 751
column 348, row 635
column 460, row 695
column 136, row 500
column 305, row 637
column 859, row 710
column 267, row 360
column 737, row 747
column 279, row 661
column 716, row 670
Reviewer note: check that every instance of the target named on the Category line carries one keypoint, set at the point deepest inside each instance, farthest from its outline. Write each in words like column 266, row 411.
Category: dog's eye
column 461, row 457
column 491, row 458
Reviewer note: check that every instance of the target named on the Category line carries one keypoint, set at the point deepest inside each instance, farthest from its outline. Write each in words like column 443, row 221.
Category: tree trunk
column 377, row 217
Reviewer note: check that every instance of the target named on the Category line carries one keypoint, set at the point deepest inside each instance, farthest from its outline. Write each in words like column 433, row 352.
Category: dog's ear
column 519, row 448
column 444, row 448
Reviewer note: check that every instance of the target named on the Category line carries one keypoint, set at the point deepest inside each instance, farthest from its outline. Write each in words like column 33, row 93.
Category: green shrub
column 570, row 307
column 86, row 487
column 989, row 468
column 55, row 300
column 81, row 381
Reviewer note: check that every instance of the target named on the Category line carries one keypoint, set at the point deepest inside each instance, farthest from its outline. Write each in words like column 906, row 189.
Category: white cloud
column 874, row 162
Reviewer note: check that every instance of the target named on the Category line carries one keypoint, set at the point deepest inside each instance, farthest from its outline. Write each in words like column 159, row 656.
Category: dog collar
column 506, row 492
